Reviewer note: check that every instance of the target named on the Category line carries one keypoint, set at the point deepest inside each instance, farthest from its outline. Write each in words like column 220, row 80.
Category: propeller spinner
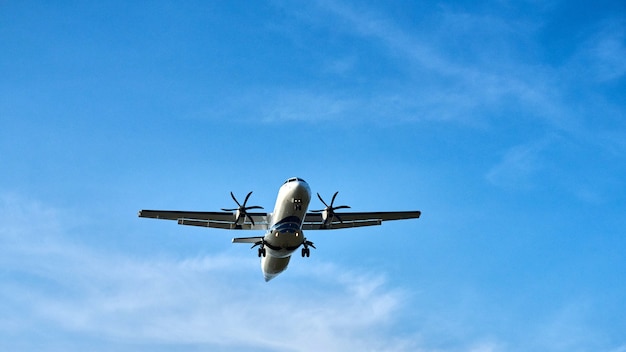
column 241, row 213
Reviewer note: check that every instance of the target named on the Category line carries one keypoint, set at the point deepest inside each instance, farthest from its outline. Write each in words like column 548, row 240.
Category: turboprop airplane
column 284, row 228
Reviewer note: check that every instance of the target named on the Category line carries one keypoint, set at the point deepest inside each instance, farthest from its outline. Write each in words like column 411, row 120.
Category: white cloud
column 84, row 297
column 217, row 301
column 440, row 81
column 457, row 67
column 472, row 68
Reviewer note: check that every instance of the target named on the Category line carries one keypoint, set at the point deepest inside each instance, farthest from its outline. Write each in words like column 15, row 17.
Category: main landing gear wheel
column 306, row 251
column 261, row 245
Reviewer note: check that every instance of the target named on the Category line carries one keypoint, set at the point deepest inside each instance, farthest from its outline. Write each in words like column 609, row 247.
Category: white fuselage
column 285, row 231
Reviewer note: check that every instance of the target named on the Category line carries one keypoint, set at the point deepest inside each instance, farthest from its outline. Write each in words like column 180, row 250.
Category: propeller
column 328, row 213
column 242, row 210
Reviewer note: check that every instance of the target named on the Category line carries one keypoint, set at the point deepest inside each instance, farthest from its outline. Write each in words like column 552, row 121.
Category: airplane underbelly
column 281, row 245
column 273, row 266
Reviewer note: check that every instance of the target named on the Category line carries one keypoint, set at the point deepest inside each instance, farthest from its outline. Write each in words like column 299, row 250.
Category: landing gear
column 262, row 252
column 306, row 251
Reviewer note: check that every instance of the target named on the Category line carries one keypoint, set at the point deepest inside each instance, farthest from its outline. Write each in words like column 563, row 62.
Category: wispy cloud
column 457, row 67
column 484, row 69
column 479, row 74
column 465, row 67
column 305, row 106
column 601, row 55
column 218, row 301
column 81, row 296
column 518, row 166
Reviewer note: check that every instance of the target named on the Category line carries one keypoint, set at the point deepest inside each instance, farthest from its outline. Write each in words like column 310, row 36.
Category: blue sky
column 504, row 122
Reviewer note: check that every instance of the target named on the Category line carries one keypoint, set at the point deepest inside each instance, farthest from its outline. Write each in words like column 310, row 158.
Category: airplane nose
column 303, row 186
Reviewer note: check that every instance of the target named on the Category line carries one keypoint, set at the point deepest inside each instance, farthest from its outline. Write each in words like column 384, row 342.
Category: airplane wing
column 314, row 221
column 214, row 219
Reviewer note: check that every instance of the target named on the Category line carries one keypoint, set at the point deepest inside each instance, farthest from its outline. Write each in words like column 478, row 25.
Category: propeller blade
column 246, row 200
column 235, row 199
column 333, row 200
column 320, row 197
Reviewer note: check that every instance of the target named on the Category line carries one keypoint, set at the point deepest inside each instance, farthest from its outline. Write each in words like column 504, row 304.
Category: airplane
column 285, row 226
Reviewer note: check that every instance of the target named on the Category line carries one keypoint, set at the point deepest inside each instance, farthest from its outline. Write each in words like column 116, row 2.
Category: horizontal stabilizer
column 247, row 239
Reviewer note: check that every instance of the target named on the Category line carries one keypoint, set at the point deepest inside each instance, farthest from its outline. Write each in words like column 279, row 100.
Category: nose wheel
column 262, row 252
column 306, row 251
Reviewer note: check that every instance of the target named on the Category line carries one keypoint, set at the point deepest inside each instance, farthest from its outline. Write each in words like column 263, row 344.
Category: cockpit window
column 295, row 179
